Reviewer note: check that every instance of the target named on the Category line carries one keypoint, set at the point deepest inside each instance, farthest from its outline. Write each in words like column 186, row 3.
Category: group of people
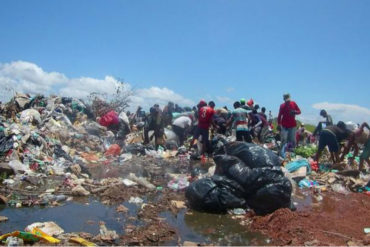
column 250, row 124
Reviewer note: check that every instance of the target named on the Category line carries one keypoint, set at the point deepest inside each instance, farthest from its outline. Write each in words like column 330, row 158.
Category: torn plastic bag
column 137, row 148
column 6, row 143
column 215, row 194
column 60, row 153
column 30, row 116
column 271, row 197
column 253, row 155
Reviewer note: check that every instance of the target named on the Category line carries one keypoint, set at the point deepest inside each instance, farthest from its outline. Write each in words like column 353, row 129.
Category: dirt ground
column 337, row 220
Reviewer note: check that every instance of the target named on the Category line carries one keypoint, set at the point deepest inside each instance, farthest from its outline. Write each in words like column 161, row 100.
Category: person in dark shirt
column 328, row 121
column 263, row 112
column 332, row 136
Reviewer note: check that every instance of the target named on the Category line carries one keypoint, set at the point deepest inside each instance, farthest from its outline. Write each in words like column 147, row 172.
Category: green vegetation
column 306, row 151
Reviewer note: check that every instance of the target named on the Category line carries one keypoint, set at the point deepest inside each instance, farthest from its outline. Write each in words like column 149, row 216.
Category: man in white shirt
column 181, row 126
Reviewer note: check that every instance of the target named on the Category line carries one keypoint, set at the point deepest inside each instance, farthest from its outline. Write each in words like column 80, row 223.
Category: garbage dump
column 58, row 150
column 246, row 176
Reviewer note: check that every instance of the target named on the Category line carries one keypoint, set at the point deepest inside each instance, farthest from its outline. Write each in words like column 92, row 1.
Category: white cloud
column 147, row 97
column 28, row 77
column 224, row 100
column 344, row 112
column 230, row 89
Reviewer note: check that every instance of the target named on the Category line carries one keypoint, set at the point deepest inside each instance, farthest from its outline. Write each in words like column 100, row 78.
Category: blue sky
column 319, row 51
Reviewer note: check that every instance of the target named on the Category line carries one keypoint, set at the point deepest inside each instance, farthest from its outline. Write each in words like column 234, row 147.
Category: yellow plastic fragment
column 82, row 241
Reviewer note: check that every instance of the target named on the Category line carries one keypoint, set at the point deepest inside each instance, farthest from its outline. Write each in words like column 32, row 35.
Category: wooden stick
column 337, row 234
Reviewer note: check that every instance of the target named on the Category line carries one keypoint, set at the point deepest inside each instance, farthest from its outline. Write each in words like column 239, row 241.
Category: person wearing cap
column 328, row 121
column 181, row 127
column 332, row 136
column 286, row 119
column 243, row 105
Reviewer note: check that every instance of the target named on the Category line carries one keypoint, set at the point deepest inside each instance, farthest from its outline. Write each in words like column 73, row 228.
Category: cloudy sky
column 183, row 51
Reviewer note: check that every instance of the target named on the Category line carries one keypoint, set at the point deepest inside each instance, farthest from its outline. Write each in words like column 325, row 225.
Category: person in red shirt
column 205, row 120
column 286, row 119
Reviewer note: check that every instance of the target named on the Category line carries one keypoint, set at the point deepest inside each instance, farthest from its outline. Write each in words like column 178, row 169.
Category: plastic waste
column 128, row 182
column 82, row 241
column 142, row 181
column 113, row 150
column 215, row 194
column 14, row 241
column 136, row 200
column 106, row 234
column 30, row 116
column 126, row 157
column 295, row 165
column 252, row 155
column 340, row 189
column 17, row 166
column 238, row 211
column 45, row 236
column 49, row 228
column 25, row 236
column 306, row 183
column 178, row 183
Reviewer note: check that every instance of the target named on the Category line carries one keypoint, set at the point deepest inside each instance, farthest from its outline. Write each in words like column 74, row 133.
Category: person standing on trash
column 270, row 119
column 263, row 112
column 205, row 120
column 286, row 119
column 359, row 137
column 332, row 136
column 154, row 122
column 328, row 121
column 239, row 121
column 181, row 127
column 258, row 124
column 167, row 113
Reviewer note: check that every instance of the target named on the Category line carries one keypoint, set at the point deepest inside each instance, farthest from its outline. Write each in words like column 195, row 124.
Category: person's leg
column 322, row 144
column 284, row 136
column 195, row 136
column 291, row 136
column 365, row 155
column 247, row 136
column 206, row 143
column 180, row 133
column 239, row 136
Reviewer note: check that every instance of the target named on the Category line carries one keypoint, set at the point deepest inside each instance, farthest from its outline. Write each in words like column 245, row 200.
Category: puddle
column 213, row 228
column 84, row 216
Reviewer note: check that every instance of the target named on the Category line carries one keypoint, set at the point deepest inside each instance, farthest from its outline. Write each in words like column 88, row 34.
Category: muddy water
column 84, row 216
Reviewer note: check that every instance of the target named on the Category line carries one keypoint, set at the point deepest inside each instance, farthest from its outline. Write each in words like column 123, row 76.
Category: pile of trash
column 247, row 176
column 48, row 144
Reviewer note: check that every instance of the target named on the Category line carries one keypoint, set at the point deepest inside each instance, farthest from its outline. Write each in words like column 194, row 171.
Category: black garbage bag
column 6, row 143
column 137, row 148
column 218, row 145
column 271, row 197
column 59, row 152
column 251, row 179
column 252, row 155
column 216, row 194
